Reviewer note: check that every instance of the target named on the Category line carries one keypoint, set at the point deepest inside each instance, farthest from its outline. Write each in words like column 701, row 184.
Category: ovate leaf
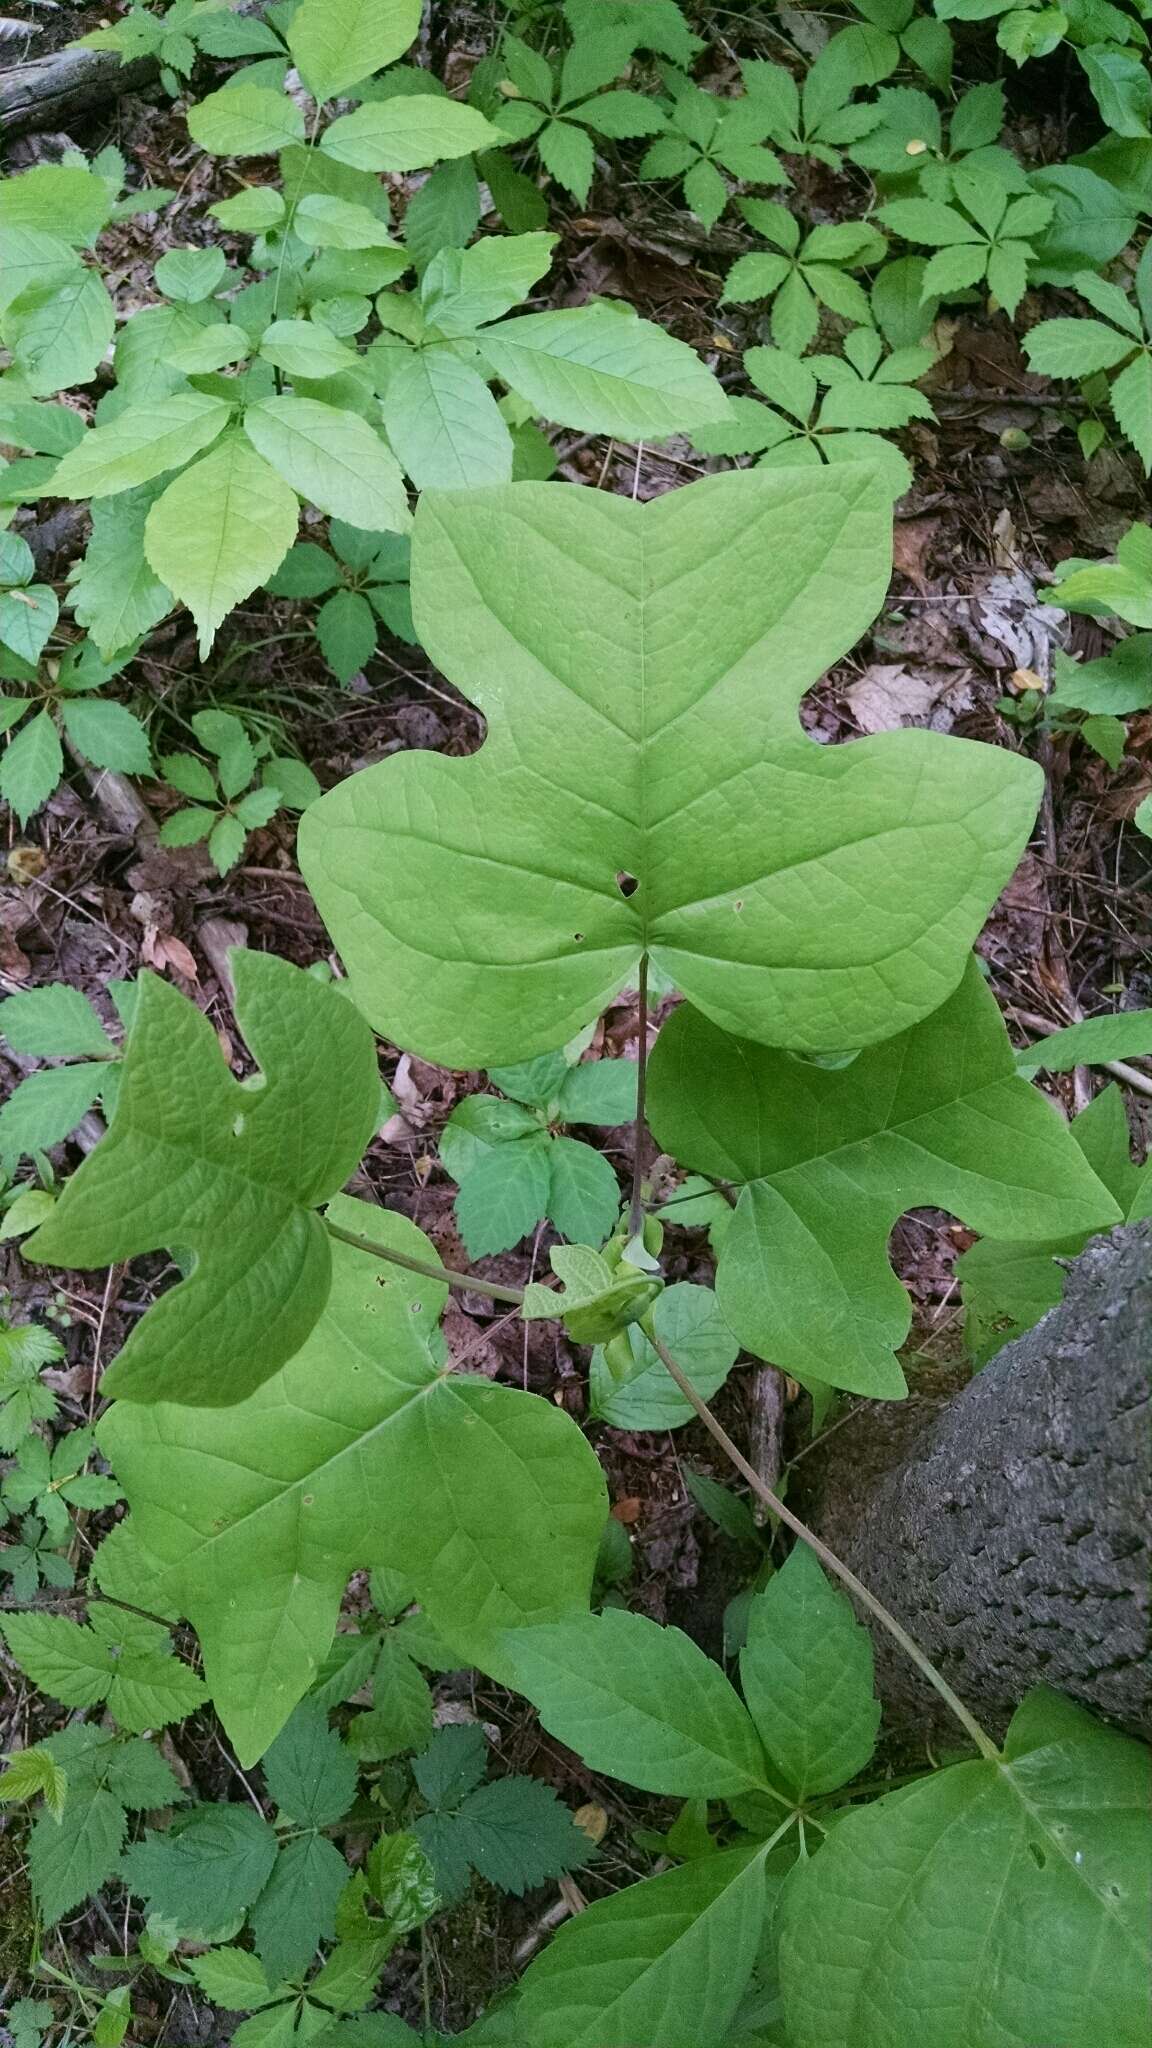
column 115, row 592
column 30, row 768
column 992, row 1901
column 827, row 1159
column 665, row 1962
column 333, row 458
column 245, row 120
column 139, row 444
column 407, row 133
column 219, row 530
column 444, row 423
column 362, row 1452
column 606, row 372
column 641, row 1702
column 806, row 1669
column 245, row 1170
column 338, row 43
column 640, row 680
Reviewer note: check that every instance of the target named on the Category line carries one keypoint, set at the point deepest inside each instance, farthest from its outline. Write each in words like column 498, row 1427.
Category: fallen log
column 50, row 92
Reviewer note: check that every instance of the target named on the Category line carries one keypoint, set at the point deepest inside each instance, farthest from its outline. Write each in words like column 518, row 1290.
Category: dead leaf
column 628, row 1509
column 591, row 1821
column 910, row 541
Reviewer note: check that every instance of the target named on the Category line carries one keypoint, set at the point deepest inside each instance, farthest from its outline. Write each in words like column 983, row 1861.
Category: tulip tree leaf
column 640, row 678
column 196, row 1160
column 995, row 1901
column 828, row 1159
column 361, row 1452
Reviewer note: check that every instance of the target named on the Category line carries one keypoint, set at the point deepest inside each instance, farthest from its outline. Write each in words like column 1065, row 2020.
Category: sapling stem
column 636, row 1207
column 445, row 1274
column 955, row 1705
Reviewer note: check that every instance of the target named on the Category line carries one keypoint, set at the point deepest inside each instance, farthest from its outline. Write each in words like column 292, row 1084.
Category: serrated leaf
column 407, row 133
column 452, row 1765
column 297, row 1908
column 207, row 1869
column 504, row 1195
column 248, row 1171
column 346, row 630
column 108, row 735
column 245, row 120
column 806, row 1670
column 936, row 1115
column 527, row 840
column 400, row 1717
column 338, row 43
column 444, row 423
column 445, row 212
column 642, row 1965
column 306, row 348
column 27, row 618
column 69, row 1859
column 568, row 155
column 583, row 1199
column 464, row 288
column 115, row 592
column 516, row 1833
column 232, row 1978
column 640, row 1702
column 604, row 371
column 688, row 1321
column 324, row 222
column 53, row 1023
column 910, row 1920
column 219, row 530
column 380, row 1460
column 308, row 1771
column 46, row 1106
column 1075, row 348
column 333, row 458
column 1131, row 399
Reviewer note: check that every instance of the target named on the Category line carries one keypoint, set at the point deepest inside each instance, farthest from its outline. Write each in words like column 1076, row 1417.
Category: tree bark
column 49, row 92
column 1009, row 1528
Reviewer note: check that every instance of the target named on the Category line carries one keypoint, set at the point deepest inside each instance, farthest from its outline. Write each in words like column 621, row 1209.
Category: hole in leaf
column 578, row 938
column 626, row 883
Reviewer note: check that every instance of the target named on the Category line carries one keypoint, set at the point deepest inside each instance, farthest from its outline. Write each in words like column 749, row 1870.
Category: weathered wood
column 51, row 91
column 1009, row 1529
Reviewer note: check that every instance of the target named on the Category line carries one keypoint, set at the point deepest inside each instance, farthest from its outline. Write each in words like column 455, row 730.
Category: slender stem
column 636, row 1209
column 952, row 1701
column 466, row 1281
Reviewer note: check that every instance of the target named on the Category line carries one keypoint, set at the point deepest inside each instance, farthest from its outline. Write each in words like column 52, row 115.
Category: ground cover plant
column 530, row 975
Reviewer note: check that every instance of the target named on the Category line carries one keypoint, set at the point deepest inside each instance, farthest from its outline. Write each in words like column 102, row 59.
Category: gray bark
column 51, row 91
column 1009, row 1531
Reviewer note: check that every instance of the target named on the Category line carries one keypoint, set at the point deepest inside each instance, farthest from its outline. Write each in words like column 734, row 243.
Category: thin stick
column 636, row 1209
column 952, row 1701
column 467, row 1282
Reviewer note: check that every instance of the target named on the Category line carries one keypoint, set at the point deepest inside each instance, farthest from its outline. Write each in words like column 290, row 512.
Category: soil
column 88, row 896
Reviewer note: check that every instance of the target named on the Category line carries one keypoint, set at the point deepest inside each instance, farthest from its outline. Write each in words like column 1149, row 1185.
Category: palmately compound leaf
column 232, row 1171
column 1000, row 1902
column 806, row 1670
column 361, row 1452
column 665, row 1962
column 828, row 1159
column 641, row 1702
column 641, row 678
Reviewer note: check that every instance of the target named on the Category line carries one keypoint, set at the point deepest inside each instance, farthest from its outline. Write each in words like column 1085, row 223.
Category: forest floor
column 88, row 896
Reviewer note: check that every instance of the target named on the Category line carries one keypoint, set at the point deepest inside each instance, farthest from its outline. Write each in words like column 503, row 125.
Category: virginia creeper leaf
column 828, row 1159
column 195, row 1159
column 360, row 1452
column 993, row 1901
column 640, row 679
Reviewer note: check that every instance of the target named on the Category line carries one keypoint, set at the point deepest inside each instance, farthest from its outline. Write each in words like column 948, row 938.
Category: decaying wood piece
column 50, row 92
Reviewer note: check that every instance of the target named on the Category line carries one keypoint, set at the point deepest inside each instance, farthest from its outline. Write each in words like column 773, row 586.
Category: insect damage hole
column 626, row 883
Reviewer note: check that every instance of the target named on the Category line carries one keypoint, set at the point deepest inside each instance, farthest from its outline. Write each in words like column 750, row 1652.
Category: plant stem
column 976, row 1734
column 447, row 1277
column 636, row 1209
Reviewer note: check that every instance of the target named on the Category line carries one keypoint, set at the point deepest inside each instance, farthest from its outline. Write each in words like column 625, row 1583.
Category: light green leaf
column 139, row 444
column 108, row 735
column 598, row 1092
column 401, row 1714
column 24, row 1214
column 339, row 43
column 379, row 1459
column 31, row 767
column 115, row 593
column 56, row 199
column 640, row 1702
column 58, row 334
column 750, row 844
column 1131, row 398
column 306, row 348
column 248, row 1168
column 220, row 529
column 665, row 1962
column 605, row 371
column 210, row 349
column 143, row 1684
column 1122, row 1035
column 28, row 258
column 346, row 630
column 464, row 288
column 245, row 120
column 828, row 1159
column 1075, row 348
column 231, row 1978
column 444, row 423
column 688, row 1321
column 253, row 210
column 407, row 133
column 191, row 274
column 324, row 222
column 504, row 1196
column 333, row 458
column 1002, row 1902
column 54, row 1023
column 583, row 1199
column 46, row 1106
column 27, row 617
column 806, row 1670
